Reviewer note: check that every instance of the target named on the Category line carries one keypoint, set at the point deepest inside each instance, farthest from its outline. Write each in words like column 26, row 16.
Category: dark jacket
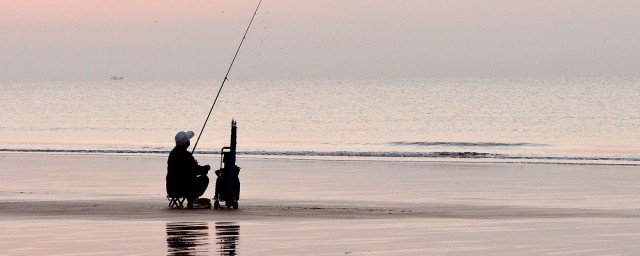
column 182, row 172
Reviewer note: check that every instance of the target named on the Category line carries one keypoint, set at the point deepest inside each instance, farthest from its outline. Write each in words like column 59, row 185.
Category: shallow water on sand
column 322, row 237
column 52, row 205
column 85, row 177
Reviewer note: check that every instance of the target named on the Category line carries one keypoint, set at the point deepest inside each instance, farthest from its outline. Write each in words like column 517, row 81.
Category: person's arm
column 202, row 170
column 198, row 169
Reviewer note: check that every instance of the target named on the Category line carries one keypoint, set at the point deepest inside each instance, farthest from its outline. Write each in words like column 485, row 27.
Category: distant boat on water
column 117, row 78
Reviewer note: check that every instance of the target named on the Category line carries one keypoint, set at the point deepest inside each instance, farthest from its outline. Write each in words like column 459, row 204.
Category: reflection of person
column 185, row 178
column 187, row 238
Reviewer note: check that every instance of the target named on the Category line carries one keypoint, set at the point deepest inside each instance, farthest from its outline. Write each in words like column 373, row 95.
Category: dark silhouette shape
column 227, row 182
column 227, row 234
column 185, row 178
column 187, row 238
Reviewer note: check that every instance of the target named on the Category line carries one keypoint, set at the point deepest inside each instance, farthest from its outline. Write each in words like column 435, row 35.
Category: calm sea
column 569, row 120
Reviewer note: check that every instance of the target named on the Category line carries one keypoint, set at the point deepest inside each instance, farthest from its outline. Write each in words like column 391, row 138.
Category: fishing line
column 225, row 77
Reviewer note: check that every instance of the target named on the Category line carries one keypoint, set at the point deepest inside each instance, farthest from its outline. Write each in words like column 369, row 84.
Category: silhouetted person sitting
column 185, row 178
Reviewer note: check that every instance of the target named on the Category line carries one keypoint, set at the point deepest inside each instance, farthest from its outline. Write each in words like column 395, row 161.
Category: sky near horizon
column 313, row 39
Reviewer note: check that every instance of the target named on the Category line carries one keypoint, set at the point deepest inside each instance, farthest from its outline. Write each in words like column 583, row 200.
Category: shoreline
column 256, row 210
column 394, row 159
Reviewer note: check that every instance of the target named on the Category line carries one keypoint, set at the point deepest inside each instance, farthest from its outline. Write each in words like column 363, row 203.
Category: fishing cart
column 227, row 182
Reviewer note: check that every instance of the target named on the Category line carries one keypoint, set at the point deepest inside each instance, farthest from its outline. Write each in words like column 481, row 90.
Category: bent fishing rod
column 225, row 77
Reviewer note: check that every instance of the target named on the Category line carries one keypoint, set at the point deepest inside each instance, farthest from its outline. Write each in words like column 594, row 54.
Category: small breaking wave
column 328, row 155
column 373, row 154
column 85, row 151
column 465, row 144
column 615, row 160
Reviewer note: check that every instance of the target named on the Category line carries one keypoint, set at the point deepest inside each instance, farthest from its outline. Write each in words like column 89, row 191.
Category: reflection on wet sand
column 227, row 234
column 187, row 238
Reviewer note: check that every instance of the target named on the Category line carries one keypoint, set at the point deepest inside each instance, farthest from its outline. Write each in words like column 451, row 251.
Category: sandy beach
column 95, row 204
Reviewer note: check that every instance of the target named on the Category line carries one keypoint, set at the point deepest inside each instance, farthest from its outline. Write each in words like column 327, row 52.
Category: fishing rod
column 225, row 77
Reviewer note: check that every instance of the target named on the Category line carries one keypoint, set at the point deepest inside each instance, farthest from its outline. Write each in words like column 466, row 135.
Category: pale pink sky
column 171, row 39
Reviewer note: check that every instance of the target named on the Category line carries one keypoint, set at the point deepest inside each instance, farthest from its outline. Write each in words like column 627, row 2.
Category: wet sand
column 88, row 204
column 275, row 210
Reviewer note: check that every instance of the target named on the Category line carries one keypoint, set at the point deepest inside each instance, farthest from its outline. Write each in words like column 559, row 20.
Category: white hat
column 183, row 137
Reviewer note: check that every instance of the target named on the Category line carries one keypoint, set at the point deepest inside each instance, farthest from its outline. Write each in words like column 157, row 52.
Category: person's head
column 182, row 138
